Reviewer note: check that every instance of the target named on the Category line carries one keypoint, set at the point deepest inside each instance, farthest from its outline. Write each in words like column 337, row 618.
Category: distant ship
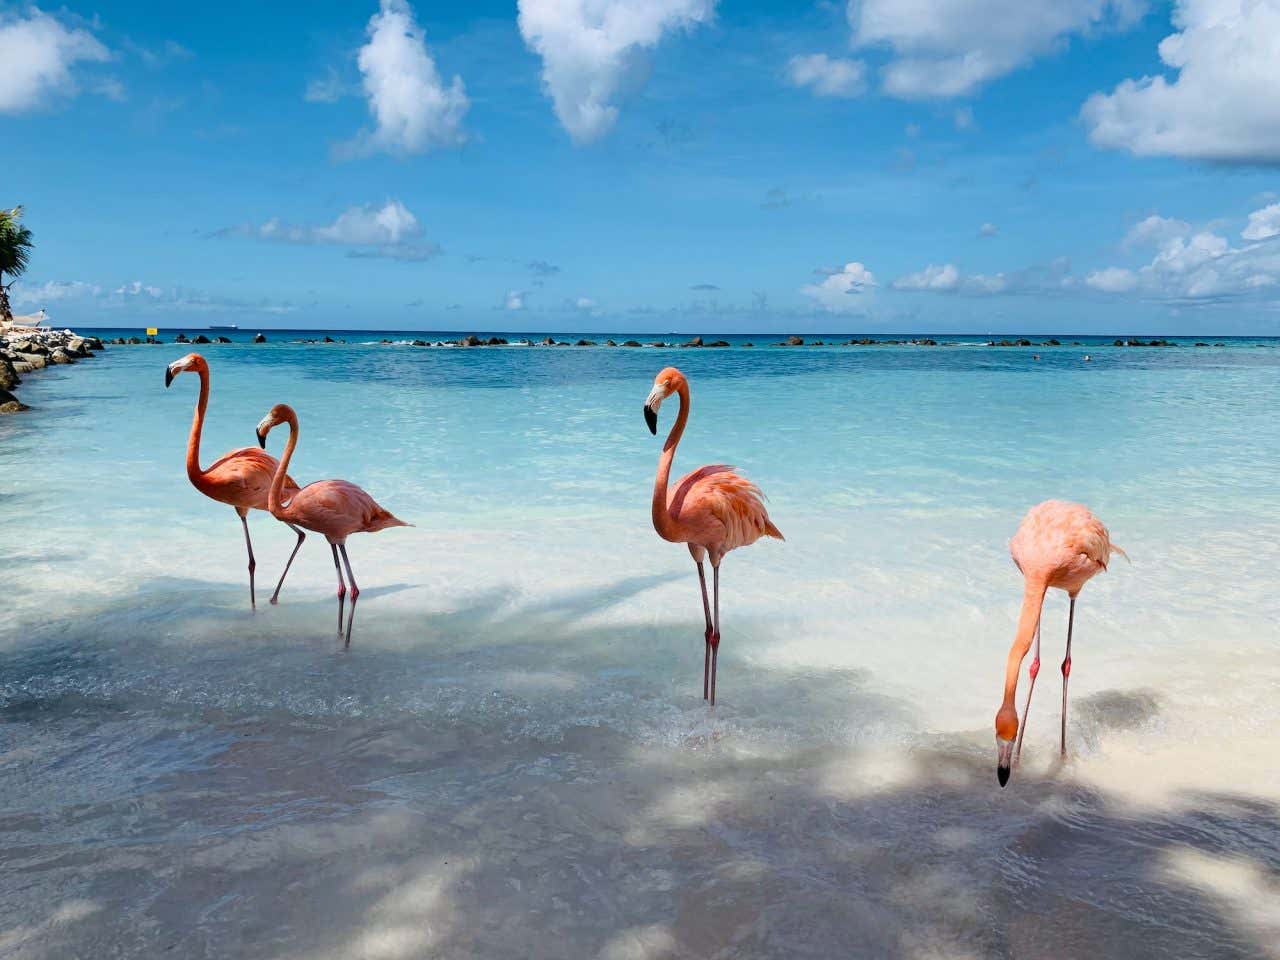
column 229, row 326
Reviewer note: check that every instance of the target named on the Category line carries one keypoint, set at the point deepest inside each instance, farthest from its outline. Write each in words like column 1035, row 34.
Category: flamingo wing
column 719, row 494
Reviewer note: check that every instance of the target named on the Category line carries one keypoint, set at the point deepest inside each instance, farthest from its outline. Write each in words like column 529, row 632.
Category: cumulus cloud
column 514, row 300
column 845, row 290
column 828, row 76
column 1263, row 224
column 390, row 230
column 945, row 277
column 1112, row 280
column 951, row 48
column 591, row 48
column 413, row 110
column 1222, row 105
column 53, row 290
column 1154, row 231
column 40, row 53
column 988, row 230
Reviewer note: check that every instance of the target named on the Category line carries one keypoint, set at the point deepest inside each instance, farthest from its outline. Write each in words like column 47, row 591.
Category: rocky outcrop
column 26, row 350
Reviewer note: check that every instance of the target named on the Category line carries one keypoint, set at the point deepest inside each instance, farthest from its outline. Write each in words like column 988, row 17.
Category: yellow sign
column 152, row 331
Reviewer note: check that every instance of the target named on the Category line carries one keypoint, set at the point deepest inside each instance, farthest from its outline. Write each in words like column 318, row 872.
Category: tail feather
column 384, row 519
column 772, row 531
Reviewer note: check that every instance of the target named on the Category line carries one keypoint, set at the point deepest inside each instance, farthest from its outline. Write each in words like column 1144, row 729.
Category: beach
column 513, row 758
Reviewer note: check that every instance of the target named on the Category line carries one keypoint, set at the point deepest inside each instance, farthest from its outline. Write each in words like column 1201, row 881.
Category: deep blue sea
column 513, row 759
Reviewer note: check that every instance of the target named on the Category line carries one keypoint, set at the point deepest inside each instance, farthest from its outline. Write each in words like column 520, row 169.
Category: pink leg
column 275, row 597
column 715, row 635
column 1026, row 711
column 253, row 564
column 355, row 592
column 1066, row 673
column 342, row 587
column 706, row 612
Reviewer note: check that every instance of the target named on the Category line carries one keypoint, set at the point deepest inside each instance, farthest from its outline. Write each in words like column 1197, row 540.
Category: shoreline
column 25, row 350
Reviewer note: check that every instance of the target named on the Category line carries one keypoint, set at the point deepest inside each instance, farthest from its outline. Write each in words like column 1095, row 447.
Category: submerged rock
column 259, row 338
column 631, row 343
column 585, row 343
column 224, row 339
column 11, row 404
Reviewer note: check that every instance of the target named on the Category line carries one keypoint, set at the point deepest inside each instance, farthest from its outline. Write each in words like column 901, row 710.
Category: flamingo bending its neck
column 333, row 508
column 240, row 478
column 713, row 510
column 1059, row 545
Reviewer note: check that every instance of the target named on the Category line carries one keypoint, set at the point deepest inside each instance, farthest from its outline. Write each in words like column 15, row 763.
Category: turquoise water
column 513, row 759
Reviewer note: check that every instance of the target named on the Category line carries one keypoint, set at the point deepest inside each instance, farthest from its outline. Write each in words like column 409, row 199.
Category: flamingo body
column 240, row 479
column 1062, row 546
column 712, row 510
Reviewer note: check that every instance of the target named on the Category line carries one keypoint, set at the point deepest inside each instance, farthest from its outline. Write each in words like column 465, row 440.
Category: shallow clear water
column 513, row 759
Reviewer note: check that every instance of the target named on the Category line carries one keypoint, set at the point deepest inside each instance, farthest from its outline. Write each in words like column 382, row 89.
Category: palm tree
column 15, row 252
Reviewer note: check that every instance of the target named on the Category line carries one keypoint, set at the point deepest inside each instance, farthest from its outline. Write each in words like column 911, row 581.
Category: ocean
column 513, row 759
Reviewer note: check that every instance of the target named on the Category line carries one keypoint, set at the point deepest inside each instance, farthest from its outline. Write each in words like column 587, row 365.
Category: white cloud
column 412, row 108
column 327, row 89
column 1112, row 280
column 390, row 230
column 951, row 48
column 514, row 300
column 1155, row 231
column 52, row 290
column 845, row 290
column 138, row 289
column 1221, row 106
column 1263, row 224
column 585, row 303
column 38, row 53
column 988, row 230
column 945, row 277
column 591, row 48
column 828, row 76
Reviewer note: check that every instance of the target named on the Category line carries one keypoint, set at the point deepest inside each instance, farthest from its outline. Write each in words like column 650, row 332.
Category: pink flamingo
column 240, row 478
column 713, row 510
column 1059, row 545
column 333, row 508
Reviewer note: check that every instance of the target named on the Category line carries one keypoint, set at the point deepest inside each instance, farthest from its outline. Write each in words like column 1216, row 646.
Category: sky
column 998, row 166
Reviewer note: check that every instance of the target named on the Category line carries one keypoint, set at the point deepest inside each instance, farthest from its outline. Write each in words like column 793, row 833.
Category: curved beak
column 1004, row 760
column 168, row 376
column 651, row 418
column 262, row 438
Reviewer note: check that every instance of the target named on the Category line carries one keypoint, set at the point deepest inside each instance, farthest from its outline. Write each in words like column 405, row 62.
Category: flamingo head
column 667, row 382
column 192, row 361
column 280, row 413
column 1006, row 734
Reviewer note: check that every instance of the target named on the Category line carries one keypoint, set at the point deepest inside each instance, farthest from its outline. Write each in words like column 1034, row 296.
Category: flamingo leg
column 1066, row 674
column 355, row 591
column 253, row 564
column 715, row 636
column 1026, row 711
column 342, row 587
column 275, row 597
column 706, row 612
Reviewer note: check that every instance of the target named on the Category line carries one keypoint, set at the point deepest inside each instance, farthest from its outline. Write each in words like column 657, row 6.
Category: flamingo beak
column 1004, row 760
column 651, row 418
column 168, row 376
column 262, row 438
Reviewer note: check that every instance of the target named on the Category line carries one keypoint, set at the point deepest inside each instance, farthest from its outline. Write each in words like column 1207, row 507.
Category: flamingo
column 333, row 508
column 1060, row 545
column 240, row 478
column 713, row 510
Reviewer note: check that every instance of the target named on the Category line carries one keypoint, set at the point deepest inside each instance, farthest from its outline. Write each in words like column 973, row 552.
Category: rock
column 419, row 343
column 1052, row 343
column 794, row 341
column 11, row 404
column 259, row 338
column 94, row 343
column 548, row 342
column 718, row 343
column 817, row 343
column 33, row 361
column 8, row 376
column 585, row 343
column 1201, row 344
column 471, row 340
column 134, row 340
column 657, row 343
column 1024, row 342
column 61, row 356
column 496, row 342
column 201, row 338
column 610, row 343
column 224, row 339
column 695, row 342
column 1118, row 343
column 328, row 339
column 181, row 338
column 748, row 344
column 30, row 346
column 631, row 343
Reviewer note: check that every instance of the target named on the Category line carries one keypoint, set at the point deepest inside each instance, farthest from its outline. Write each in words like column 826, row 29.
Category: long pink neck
column 1028, row 621
column 663, row 522
column 194, row 473
column 282, row 468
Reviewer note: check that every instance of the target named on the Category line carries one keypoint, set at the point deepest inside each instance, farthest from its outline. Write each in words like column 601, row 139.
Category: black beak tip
column 651, row 419
column 1002, row 774
column 262, row 439
column 168, row 376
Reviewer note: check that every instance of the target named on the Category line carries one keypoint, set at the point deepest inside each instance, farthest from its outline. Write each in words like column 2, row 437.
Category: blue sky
column 650, row 165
